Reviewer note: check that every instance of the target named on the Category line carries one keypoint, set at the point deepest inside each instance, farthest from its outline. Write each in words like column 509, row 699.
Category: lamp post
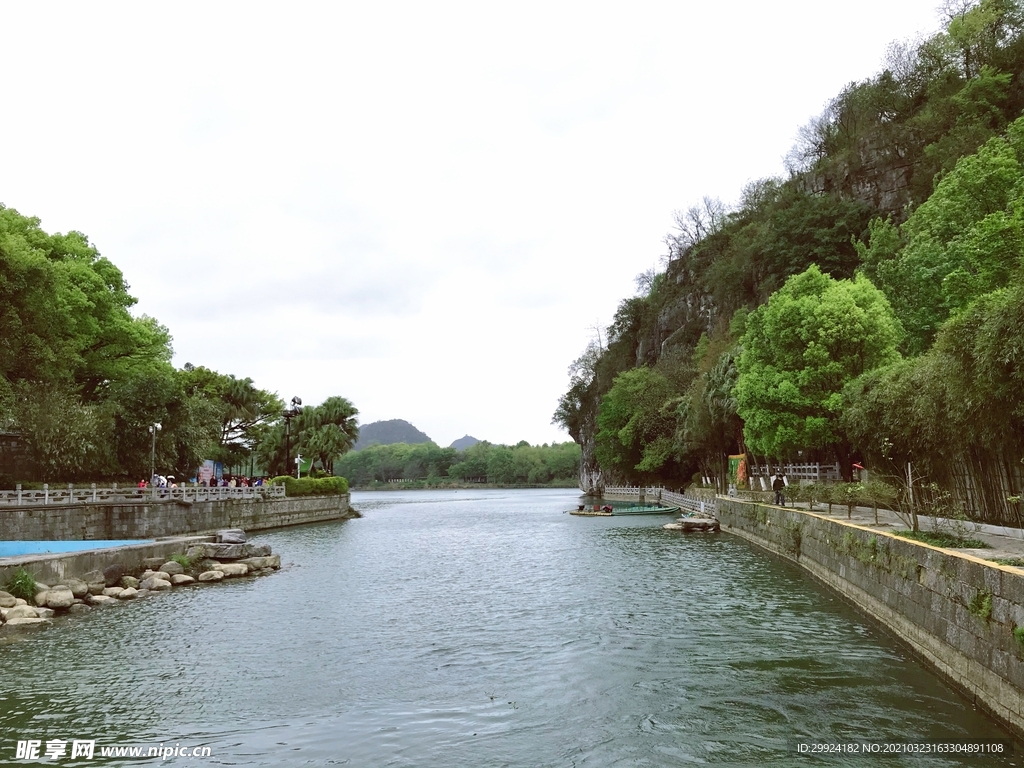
column 290, row 414
column 153, row 429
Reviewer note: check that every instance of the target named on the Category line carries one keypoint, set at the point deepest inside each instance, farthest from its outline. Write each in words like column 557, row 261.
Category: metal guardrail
column 128, row 495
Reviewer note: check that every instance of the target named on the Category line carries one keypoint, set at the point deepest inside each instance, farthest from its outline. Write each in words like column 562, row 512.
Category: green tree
column 634, row 437
column 799, row 351
column 964, row 241
column 327, row 431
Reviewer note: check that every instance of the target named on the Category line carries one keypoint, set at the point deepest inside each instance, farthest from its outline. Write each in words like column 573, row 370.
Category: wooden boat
column 610, row 511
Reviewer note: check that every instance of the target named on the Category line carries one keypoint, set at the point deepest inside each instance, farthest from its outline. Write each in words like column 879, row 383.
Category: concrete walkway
column 1006, row 543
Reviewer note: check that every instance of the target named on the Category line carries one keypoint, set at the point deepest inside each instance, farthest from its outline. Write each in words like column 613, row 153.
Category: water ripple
column 483, row 628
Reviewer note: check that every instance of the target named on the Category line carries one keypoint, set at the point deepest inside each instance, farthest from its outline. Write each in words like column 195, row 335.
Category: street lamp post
column 153, row 429
column 290, row 414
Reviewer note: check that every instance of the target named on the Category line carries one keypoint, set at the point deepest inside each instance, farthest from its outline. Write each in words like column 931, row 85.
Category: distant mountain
column 463, row 443
column 388, row 432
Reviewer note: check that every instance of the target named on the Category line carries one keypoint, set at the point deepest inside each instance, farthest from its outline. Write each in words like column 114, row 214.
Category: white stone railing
column 127, row 495
column 632, row 490
column 689, row 503
column 660, row 495
column 814, row 472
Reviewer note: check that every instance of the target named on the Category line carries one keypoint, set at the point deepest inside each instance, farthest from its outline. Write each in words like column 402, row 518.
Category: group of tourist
column 226, row 481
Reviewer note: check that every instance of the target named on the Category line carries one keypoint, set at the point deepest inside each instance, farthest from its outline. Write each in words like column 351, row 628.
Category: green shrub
column 939, row 539
column 312, row 486
column 22, row 584
column 1018, row 635
column 183, row 560
column 981, row 605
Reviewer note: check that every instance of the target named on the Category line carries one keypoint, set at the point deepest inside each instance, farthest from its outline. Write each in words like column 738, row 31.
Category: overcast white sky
column 423, row 207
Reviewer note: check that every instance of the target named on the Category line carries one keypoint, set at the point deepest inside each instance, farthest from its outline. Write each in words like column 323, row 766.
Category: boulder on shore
column 59, row 597
column 257, row 563
column 171, row 568
column 78, row 587
column 228, row 551
column 7, row 600
column 181, row 579
column 23, row 612
column 112, row 574
column 231, row 536
column 155, row 583
column 128, row 593
column 129, row 582
column 211, row 576
column 231, row 570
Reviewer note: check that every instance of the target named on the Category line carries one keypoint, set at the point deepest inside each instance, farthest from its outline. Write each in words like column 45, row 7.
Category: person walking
column 779, row 486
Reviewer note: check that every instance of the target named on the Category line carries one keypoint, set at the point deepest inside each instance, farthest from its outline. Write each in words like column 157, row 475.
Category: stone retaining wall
column 54, row 569
column 958, row 612
column 170, row 518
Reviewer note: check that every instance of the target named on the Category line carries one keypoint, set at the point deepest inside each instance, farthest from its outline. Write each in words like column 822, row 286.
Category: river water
column 483, row 628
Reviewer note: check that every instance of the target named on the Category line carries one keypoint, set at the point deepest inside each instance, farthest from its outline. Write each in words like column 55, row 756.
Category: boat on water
column 609, row 511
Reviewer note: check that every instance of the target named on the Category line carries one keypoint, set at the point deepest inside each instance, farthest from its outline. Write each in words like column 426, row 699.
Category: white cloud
column 421, row 207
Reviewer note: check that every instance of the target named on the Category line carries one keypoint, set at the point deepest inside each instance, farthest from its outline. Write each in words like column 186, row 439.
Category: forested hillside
column 388, row 432
column 866, row 306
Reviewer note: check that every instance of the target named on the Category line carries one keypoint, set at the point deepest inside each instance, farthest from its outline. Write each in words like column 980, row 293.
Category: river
column 483, row 628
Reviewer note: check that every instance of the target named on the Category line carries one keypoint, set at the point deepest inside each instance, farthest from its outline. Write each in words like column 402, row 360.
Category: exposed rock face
column 152, row 562
column 7, row 600
column 211, row 576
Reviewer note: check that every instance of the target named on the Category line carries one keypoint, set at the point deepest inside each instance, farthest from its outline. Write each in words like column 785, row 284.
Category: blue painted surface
column 18, row 548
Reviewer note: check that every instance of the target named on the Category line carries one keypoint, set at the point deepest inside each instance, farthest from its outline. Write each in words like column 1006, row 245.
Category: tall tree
column 800, row 350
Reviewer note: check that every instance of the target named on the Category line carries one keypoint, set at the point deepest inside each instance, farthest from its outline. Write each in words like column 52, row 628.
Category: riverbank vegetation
column 428, row 465
column 865, row 308
column 82, row 379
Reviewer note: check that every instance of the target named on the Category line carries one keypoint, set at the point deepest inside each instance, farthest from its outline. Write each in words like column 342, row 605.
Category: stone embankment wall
column 67, row 522
column 54, row 569
column 963, row 615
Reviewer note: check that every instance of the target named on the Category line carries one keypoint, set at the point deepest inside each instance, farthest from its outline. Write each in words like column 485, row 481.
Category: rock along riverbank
column 200, row 564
